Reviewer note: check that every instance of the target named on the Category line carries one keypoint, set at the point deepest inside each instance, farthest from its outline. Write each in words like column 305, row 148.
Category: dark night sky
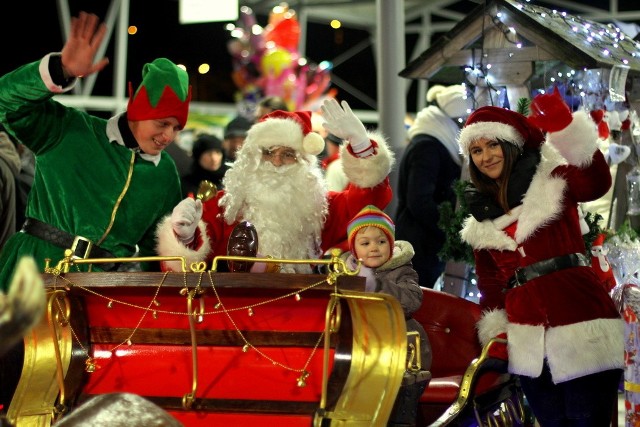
column 31, row 29
column 32, row 35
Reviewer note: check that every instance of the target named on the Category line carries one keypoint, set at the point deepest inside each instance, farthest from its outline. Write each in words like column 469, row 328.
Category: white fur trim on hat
column 491, row 130
column 313, row 143
column 286, row 133
column 452, row 100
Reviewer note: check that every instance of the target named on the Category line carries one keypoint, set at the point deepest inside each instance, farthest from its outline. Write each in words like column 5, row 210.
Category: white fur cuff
column 369, row 171
column 169, row 245
column 491, row 324
column 578, row 141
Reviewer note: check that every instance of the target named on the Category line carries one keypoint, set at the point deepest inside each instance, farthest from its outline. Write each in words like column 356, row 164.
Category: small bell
column 206, row 190
column 90, row 365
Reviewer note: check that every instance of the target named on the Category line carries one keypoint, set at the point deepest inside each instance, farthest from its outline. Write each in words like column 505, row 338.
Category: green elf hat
column 164, row 92
column 370, row 216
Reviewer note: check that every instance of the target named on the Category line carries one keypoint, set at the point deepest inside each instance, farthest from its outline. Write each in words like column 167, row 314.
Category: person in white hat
column 428, row 169
column 277, row 185
column 564, row 335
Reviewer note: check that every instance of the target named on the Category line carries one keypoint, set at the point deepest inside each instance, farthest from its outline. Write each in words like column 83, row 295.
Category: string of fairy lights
column 606, row 43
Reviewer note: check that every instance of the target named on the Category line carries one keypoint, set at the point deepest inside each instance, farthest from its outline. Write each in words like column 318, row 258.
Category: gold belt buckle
column 83, row 245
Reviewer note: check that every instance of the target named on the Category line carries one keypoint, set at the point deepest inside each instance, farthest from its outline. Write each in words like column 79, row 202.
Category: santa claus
column 277, row 185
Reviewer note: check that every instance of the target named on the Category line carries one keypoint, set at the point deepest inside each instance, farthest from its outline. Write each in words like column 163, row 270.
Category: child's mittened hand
column 370, row 275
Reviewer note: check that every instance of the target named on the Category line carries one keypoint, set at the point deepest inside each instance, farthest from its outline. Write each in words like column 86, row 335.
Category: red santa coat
column 566, row 316
column 369, row 186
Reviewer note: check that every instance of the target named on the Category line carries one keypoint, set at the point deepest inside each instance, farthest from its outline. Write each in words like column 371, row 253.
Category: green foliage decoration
column 451, row 221
column 523, row 106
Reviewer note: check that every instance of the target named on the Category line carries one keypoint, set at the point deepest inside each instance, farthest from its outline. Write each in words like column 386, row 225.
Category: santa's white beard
column 287, row 205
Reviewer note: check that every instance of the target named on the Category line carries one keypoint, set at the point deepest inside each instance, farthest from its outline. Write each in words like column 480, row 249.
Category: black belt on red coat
column 524, row 274
column 81, row 246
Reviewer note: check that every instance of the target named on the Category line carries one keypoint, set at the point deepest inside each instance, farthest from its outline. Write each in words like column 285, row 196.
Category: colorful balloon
column 274, row 62
column 285, row 34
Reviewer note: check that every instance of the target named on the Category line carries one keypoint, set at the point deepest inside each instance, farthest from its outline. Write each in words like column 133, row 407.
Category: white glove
column 341, row 122
column 185, row 218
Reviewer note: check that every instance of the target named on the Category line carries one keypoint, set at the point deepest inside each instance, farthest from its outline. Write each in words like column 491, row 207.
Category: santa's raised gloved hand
column 342, row 122
column 185, row 218
column 549, row 112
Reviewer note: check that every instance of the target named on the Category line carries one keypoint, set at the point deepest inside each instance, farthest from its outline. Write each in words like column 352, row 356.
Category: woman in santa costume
column 565, row 336
column 277, row 185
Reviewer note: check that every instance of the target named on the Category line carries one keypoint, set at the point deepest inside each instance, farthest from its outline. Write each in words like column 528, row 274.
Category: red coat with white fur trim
column 565, row 316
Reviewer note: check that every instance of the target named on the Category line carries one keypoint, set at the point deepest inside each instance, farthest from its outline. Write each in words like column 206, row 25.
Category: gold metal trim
column 505, row 415
column 64, row 265
column 189, row 398
column 378, row 361
column 46, row 361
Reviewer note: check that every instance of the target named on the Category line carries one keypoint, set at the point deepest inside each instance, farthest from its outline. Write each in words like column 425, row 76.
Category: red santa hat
column 286, row 129
column 499, row 123
column 599, row 240
column 164, row 92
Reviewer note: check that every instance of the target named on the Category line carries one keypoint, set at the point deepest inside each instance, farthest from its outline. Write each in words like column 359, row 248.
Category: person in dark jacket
column 207, row 164
column 430, row 164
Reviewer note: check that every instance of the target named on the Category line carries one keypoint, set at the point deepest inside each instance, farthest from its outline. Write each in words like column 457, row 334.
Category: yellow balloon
column 274, row 62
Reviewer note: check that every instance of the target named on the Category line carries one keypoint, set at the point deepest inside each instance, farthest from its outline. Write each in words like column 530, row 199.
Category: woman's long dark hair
column 496, row 188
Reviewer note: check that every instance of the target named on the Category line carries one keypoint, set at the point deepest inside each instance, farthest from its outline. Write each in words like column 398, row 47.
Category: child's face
column 372, row 247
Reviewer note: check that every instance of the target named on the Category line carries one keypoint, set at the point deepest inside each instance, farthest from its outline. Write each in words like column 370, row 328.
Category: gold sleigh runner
column 211, row 342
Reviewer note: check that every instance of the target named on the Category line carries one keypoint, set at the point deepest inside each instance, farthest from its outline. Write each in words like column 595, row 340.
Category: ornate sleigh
column 215, row 348
column 212, row 348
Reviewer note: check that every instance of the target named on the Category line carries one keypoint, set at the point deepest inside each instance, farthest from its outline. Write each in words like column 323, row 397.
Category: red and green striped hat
column 164, row 92
column 371, row 216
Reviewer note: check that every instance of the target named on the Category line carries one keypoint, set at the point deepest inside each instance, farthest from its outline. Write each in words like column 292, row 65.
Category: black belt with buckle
column 524, row 274
column 81, row 246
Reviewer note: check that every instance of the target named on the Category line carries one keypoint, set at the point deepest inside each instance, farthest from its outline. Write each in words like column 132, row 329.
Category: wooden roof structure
column 520, row 42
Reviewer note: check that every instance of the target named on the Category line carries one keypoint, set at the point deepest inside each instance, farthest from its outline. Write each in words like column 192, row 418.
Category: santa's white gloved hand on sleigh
column 185, row 218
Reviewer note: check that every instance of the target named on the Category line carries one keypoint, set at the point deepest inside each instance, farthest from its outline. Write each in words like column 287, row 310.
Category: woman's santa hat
column 286, row 129
column 499, row 123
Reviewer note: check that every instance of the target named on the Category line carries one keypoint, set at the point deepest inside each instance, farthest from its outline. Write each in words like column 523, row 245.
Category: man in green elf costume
column 100, row 185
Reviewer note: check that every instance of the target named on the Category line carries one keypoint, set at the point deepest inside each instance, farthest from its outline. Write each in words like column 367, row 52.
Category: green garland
column 451, row 221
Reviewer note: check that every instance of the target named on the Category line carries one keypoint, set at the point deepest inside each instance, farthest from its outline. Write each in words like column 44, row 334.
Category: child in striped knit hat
column 386, row 263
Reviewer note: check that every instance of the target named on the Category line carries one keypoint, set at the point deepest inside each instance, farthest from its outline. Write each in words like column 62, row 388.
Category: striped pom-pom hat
column 371, row 216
